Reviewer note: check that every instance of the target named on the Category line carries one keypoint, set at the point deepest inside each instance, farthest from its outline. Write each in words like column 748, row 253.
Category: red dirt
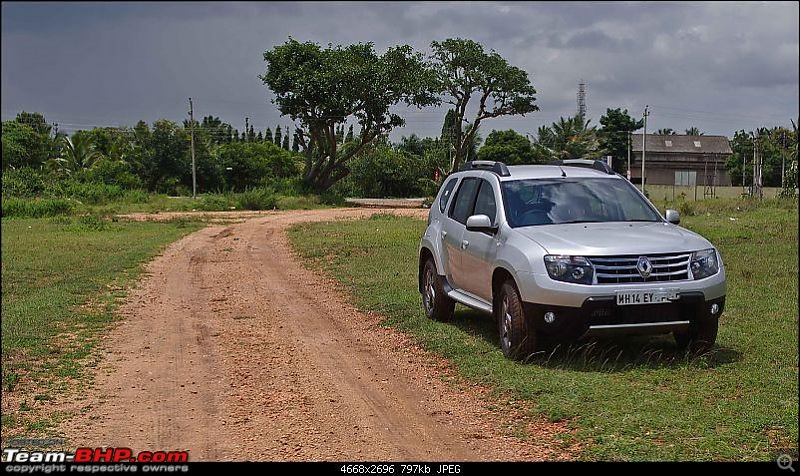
column 230, row 349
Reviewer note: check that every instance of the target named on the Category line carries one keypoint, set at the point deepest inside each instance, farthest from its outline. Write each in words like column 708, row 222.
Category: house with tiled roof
column 680, row 160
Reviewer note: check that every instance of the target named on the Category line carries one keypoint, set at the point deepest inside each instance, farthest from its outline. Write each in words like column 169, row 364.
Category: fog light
column 549, row 317
column 714, row 309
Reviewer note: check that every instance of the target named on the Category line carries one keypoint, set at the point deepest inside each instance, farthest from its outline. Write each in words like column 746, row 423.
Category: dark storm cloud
column 718, row 67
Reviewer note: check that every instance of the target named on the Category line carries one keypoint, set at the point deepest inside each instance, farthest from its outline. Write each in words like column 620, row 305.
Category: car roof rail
column 497, row 167
column 586, row 163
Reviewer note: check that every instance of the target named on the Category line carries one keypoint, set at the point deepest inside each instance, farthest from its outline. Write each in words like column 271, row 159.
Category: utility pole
column 744, row 165
column 783, row 159
column 194, row 167
column 644, row 142
column 629, row 156
column 757, row 170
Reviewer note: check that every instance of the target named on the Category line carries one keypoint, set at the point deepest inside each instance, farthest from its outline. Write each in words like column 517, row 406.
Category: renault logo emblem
column 644, row 267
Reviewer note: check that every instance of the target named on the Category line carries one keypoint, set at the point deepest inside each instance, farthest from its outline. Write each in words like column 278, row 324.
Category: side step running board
column 468, row 300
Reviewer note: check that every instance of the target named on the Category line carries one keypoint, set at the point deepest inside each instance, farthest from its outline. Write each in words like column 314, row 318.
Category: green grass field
column 61, row 280
column 630, row 399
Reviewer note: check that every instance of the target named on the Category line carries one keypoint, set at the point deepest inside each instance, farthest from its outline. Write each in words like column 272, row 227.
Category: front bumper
column 540, row 288
column 600, row 315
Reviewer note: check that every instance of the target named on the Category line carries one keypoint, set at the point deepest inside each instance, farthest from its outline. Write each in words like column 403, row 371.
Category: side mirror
column 673, row 217
column 481, row 223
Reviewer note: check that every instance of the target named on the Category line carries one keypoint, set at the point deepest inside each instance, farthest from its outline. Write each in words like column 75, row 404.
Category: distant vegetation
column 337, row 144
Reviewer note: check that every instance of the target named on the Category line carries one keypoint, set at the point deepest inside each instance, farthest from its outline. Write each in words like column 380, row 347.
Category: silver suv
column 557, row 252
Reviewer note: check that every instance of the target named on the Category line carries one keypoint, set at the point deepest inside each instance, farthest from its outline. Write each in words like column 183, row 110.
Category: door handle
column 464, row 244
column 444, row 234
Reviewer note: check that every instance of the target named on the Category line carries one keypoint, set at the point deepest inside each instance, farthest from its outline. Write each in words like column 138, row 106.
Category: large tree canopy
column 464, row 69
column 614, row 135
column 509, row 147
column 322, row 88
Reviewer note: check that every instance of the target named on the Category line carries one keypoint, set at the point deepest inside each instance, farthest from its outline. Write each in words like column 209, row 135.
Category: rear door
column 454, row 226
column 479, row 249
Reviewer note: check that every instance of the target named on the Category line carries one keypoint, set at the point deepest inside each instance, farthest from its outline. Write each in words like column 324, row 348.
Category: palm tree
column 570, row 138
column 693, row 131
column 78, row 152
column 666, row 132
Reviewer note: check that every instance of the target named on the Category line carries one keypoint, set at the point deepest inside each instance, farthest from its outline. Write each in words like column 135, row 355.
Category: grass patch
column 62, row 279
column 630, row 399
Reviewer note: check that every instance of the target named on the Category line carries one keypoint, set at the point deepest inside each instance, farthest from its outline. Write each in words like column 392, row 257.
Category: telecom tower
column 582, row 99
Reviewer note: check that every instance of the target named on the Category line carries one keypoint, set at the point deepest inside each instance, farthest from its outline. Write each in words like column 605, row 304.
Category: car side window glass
column 485, row 203
column 465, row 197
column 446, row 192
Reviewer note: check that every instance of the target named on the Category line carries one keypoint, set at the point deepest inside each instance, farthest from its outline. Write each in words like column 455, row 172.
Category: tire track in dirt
column 230, row 349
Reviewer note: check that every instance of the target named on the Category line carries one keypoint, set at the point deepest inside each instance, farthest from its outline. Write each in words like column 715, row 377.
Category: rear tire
column 437, row 305
column 518, row 338
column 700, row 337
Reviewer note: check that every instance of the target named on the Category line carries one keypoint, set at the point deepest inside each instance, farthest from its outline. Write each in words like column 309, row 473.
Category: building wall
column 661, row 168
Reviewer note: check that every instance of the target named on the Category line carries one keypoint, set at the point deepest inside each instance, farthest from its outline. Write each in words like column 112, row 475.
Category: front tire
column 700, row 337
column 437, row 305
column 518, row 339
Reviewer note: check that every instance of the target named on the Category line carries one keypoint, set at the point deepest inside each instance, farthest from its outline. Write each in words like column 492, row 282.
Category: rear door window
column 446, row 192
column 464, row 200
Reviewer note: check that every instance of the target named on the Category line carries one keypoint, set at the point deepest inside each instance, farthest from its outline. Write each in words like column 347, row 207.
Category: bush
column 214, row 203
column 24, row 182
column 135, row 196
column 112, row 172
column 686, row 208
column 91, row 193
column 36, row 208
column 257, row 199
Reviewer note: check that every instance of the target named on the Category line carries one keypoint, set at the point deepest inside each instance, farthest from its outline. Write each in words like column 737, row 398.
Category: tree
column 693, row 131
column 323, row 88
column 79, row 152
column 22, row 146
column 570, row 138
column 295, row 143
column 464, row 69
column 666, row 132
column 268, row 136
column 349, row 137
column 507, row 146
column 285, row 144
column 614, row 135
column 278, row 136
column 27, row 141
column 252, row 164
column 36, row 121
column 742, row 148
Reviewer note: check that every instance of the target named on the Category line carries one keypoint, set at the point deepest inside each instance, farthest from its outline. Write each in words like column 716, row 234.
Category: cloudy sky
column 718, row 66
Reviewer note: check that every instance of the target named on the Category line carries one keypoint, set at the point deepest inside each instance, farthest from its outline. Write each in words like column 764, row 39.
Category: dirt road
column 232, row 350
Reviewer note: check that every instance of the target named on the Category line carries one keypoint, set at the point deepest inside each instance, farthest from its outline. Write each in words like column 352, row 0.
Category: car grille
column 622, row 269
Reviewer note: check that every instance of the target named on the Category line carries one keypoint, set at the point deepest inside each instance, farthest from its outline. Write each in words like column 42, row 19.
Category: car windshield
column 558, row 201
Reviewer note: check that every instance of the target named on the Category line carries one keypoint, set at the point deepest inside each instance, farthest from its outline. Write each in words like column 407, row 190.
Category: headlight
column 704, row 263
column 572, row 269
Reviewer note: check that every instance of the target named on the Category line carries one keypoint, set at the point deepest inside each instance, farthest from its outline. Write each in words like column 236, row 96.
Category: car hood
column 618, row 238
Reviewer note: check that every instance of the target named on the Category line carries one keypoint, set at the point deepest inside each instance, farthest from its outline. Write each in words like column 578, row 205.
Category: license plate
column 632, row 298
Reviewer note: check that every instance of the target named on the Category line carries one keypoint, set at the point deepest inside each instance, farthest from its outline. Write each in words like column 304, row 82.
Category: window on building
column 685, row 178
column 697, row 144
column 668, row 143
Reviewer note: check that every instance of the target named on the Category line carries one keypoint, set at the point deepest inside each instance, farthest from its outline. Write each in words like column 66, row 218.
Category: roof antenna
column 563, row 174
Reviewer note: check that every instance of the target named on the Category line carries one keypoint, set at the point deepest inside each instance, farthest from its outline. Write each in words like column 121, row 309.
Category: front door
column 479, row 249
